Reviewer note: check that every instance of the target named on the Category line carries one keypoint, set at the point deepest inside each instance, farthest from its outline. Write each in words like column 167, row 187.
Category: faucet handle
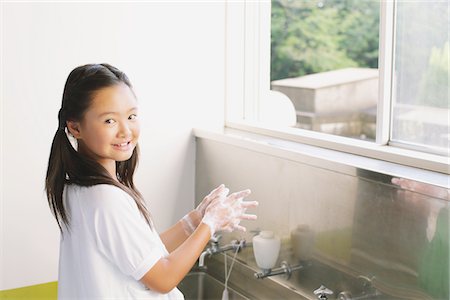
column 239, row 244
column 215, row 238
column 323, row 292
column 366, row 280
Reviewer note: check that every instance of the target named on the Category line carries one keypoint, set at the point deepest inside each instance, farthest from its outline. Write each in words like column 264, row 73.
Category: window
column 365, row 77
column 420, row 106
column 324, row 57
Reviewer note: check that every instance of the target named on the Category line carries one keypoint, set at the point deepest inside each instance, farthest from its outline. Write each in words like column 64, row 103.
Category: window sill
column 338, row 161
column 397, row 155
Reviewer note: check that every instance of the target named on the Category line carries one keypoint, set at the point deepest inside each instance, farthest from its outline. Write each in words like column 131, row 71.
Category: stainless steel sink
column 201, row 286
column 346, row 283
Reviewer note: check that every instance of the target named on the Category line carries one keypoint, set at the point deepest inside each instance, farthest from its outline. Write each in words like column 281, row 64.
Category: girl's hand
column 193, row 218
column 226, row 213
column 220, row 191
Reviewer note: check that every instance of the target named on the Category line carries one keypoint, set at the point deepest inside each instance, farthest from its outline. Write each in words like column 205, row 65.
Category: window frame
column 247, row 78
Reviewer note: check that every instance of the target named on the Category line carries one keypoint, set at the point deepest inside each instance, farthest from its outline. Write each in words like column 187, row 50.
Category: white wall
column 174, row 56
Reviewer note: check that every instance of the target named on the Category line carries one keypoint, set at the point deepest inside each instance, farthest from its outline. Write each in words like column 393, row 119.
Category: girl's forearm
column 167, row 273
column 178, row 233
column 173, row 237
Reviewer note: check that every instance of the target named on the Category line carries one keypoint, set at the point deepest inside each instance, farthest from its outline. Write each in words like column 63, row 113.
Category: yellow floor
column 46, row 291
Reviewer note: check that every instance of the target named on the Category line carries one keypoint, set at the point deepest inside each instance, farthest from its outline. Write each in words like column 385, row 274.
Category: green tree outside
column 434, row 87
column 317, row 36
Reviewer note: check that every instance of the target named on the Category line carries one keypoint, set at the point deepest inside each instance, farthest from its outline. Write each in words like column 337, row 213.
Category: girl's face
column 110, row 128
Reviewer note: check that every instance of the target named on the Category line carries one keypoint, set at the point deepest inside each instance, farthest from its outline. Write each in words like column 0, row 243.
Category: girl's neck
column 108, row 164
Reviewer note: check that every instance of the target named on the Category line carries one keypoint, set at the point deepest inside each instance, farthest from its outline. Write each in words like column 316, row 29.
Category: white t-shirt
column 108, row 248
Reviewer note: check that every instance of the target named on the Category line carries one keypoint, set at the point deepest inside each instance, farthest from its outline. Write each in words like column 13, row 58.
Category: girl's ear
column 74, row 129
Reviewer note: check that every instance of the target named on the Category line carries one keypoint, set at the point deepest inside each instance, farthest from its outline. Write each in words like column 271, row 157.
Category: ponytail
column 56, row 176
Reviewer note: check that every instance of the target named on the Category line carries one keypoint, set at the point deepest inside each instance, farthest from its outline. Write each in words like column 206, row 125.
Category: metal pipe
column 284, row 269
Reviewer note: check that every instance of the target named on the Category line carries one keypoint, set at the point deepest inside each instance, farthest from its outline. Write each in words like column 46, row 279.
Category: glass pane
column 421, row 89
column 324, row 57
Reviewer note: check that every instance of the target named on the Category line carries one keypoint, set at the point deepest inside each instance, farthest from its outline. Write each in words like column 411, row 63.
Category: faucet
column 323, row 292
column 214, row 248
column 285, row 268
column 369, row 291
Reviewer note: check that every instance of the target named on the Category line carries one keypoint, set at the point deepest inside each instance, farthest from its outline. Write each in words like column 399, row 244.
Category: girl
column 109, row 248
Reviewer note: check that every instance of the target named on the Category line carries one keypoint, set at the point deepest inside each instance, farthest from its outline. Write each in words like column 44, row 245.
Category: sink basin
column 201, row 286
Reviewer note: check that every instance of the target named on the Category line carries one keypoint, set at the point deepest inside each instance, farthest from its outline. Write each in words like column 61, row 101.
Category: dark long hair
column 65, row 164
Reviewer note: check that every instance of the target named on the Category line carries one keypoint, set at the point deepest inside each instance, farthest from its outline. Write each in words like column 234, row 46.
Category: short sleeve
column 120, row 232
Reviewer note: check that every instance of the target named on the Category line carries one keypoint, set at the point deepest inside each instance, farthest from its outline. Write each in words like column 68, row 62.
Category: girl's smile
column 123, row 146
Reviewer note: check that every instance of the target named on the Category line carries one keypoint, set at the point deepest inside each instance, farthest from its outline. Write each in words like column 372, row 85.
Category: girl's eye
column 132, row 117
column 110, row 121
